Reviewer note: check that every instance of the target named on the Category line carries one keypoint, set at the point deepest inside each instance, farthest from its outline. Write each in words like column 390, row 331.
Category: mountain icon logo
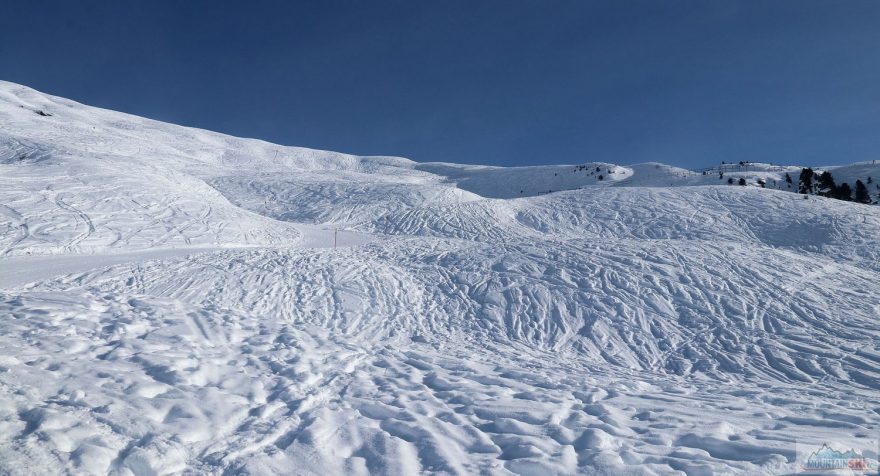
column 827, row 458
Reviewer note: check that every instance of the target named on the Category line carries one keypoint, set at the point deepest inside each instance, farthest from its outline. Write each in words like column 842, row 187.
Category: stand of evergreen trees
column 824, row 185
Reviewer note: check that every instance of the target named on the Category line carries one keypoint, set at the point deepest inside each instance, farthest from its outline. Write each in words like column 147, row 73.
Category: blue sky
column 511, row 82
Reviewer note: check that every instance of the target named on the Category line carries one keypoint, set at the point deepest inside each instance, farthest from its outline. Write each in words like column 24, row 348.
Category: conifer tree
column 844, row 192
column 826, row 184
column 862, row 195
column 805, row 184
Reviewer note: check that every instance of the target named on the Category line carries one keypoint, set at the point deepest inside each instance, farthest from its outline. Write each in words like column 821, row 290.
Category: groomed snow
column 174, row 300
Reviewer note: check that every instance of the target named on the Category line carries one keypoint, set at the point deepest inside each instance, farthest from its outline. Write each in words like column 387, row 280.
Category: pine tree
column 844, row 192
column 742, row 181
column 787, row 178
column 805, row 184
column 826, row 184
column 862, row 195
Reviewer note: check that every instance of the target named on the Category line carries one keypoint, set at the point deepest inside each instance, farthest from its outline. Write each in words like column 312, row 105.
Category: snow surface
column 174, row 300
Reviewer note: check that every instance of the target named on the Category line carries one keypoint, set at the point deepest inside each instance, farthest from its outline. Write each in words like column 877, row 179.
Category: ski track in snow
column 178, row 301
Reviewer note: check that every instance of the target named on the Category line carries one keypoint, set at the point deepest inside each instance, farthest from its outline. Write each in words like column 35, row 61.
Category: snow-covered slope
column 176, row 300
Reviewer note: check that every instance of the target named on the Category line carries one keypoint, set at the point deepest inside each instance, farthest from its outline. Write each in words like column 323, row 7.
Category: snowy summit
column 174, row 300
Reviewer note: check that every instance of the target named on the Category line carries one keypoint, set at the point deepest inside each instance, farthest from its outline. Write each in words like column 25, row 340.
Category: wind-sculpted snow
column 515, row 182
column 102, row 207
column 745, row 215
column 316, row 198
column 406, row 356
column 212, row 305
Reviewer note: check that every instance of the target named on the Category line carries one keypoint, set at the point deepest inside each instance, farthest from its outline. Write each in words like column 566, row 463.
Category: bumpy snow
column 175, row 300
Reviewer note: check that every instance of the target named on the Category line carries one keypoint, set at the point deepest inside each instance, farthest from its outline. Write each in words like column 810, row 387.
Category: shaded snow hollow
column 174, row 300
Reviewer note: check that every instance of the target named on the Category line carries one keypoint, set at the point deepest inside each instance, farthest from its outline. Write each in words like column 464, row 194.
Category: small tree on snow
column 826, row 184
column 862, row 195
column 742, row 181
column 844, row 192
column 805, row 184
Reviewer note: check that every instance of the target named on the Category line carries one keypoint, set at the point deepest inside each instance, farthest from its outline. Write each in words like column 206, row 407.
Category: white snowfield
column 171, row 301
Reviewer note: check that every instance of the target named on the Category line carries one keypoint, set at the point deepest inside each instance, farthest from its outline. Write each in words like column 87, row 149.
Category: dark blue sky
column 497, row 82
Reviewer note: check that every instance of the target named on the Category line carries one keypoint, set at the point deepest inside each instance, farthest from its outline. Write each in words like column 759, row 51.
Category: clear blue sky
column 498, row 82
